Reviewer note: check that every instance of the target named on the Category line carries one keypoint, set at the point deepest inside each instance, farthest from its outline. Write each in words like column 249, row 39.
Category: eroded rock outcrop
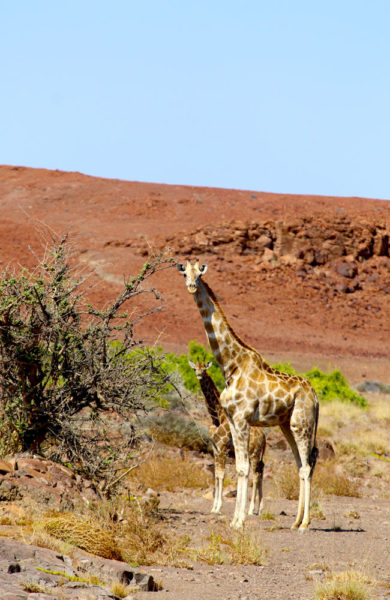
column 44, row 482
column 28, row 571
column 343, row 255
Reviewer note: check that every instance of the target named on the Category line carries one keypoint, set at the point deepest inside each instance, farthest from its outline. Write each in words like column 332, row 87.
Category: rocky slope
column 301, row 278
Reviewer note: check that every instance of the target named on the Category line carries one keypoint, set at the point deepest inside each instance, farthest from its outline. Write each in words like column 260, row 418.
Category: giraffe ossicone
column 221, row 439
column 257, row 395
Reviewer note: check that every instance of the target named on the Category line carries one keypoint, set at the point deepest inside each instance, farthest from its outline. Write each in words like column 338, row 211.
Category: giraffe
column 256, row 394
column 221, row 440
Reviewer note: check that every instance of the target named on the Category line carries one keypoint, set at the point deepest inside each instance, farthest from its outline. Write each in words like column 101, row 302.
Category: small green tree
column 73, row 377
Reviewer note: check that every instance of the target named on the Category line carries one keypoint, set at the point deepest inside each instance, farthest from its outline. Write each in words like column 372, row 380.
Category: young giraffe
column 256, row 394
column 221, row 440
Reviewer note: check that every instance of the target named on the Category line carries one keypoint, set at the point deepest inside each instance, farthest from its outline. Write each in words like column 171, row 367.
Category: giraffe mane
column 230, row 328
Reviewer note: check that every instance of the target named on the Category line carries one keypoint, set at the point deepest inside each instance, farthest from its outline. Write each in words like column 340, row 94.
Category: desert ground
column 303, row 279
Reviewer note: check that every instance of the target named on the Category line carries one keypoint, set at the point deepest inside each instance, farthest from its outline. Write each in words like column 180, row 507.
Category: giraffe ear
column 192, row 364
column 181, row 267
column 203, row 269
column 209, row 364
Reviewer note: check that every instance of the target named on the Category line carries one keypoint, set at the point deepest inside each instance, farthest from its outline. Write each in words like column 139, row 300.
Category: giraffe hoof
column 303, row 528
column 295, row 526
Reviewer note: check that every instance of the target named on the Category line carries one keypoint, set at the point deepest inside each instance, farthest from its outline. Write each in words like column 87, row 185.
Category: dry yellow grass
column 83, row 533
column 377, row 441
column 44, row 540
column 329, row 478
column 342, row 412
column 346, row 585
column 316, row 511
column 123, row 530
column 214, row 552
column 380, row 410
column 365, row 442
column 247, row 549
column 287, row 481
column 171, row 472
column 224, row 546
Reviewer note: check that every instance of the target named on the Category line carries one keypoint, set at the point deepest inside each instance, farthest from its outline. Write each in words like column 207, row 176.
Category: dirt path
column 295, row 561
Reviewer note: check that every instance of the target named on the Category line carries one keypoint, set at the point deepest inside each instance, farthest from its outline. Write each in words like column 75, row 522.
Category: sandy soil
column 295, row 563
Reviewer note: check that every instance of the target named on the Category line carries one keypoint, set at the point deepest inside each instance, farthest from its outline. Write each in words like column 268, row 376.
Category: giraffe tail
column 314, row 450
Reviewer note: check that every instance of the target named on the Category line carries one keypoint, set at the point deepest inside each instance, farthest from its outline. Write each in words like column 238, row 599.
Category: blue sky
column 282, row 96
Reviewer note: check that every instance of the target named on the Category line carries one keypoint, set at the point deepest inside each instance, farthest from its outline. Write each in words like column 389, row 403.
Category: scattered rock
column 325, row 449
column 346, row 269
column 5, row 467
column 45, row 482
column 20, row 563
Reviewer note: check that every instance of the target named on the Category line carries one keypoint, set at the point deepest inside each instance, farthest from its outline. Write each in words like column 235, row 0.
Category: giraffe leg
column 241, row 443
column 300, row 430
column 257, row 443
column 218, row 488
column 256, row 504
column 219, row 475
column 305, row 474
column 291, row 440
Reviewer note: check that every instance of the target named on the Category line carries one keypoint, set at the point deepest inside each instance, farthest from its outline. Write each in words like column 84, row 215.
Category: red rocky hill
column 301, row 278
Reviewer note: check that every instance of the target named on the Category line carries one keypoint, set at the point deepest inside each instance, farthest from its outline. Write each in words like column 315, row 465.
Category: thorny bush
column 73, row 378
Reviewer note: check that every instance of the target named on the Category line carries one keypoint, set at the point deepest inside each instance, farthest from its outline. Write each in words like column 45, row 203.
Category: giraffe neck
column 211, row 394
column 227, row 347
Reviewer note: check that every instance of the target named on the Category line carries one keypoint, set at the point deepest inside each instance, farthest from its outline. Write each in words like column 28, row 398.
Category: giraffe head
column 200, row 367
column 192, row 274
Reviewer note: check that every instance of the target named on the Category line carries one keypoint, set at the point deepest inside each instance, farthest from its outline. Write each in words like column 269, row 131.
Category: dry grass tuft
column 326, row 479
column 316, row 511
column 214, row 553
column 347, row 585
column 32, row 587
column 122, row 528
column 246, row 549
column 83, row 533
column 224, row 546
column 376, row 441
column 169, row 473
column 42, row 539
column 120, row 589
column 287, row 482
column 380, row 410
column 352, row 514
column 341, row 412
column 329, row 480
column 267, row 515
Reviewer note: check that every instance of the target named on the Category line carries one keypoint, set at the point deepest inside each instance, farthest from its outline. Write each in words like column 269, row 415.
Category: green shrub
column 328, row 386
column 196, row 352
column 333, row 386
column 285, row 368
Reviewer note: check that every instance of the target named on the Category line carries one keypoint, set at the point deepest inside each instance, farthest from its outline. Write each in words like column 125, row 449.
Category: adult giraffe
column 257, row 395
